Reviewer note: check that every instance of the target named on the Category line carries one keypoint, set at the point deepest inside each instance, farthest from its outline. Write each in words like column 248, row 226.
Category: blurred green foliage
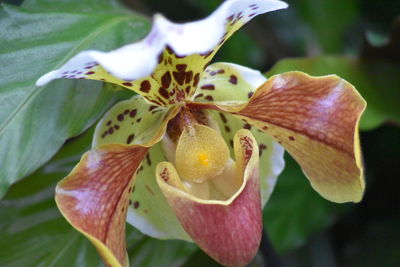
column 39, row 36
column 326, row 36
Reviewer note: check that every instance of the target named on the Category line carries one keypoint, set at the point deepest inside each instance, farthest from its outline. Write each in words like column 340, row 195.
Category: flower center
column 201, row 153
column 203, row 159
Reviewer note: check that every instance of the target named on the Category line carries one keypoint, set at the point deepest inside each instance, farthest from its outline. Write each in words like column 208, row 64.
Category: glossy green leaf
column 34, row 233
column 37, row 38
column 32, row 230
column 295, row 211
column 377, row 81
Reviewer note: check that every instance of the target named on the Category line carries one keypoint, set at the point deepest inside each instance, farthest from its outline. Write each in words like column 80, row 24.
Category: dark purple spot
column 130, row 138
column 247, row 126
column 209, row 98
column 148, row 159
column 208, row 87
column 227, row 128
column 145, row 86
column 181, row 67
column 223, row 118
column 179, row 77
column 199, row 95
column 196, row 79
column 89, row 73
column 133, row 112
column 136, row 204
column 216, row 72
column 163, row 92
column 291, row 138
column 127, row 84
column 261, row 148
column 188, row 76
column 233, row 79
column 120, row 117
column 166, row 79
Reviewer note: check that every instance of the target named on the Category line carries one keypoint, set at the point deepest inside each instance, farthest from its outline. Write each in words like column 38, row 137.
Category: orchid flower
column 180, row 159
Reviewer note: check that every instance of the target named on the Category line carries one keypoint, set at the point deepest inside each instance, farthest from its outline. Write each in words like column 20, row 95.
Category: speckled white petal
column 203, row 35
column 138, row 60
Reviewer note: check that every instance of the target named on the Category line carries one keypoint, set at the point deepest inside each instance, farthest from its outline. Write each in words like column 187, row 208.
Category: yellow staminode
column 201, row 154
column 203, row 159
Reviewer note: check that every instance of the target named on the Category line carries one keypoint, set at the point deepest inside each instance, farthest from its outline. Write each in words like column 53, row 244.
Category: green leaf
column 159, row 253
column 322, row 17
column 295, row 211
column 35, row 122
column 377, row 81
column 85, row 6
column 34, row 233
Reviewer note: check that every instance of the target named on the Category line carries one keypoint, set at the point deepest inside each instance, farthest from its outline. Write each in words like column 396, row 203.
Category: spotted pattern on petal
column 132, row 121
column 223, row 82
column 271, row 154
column 173, row 80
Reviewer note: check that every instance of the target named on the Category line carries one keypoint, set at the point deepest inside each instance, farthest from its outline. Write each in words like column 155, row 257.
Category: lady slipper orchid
column 181, row 160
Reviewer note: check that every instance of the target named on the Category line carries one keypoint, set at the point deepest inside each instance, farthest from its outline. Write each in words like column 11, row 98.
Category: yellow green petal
column 133, row 121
